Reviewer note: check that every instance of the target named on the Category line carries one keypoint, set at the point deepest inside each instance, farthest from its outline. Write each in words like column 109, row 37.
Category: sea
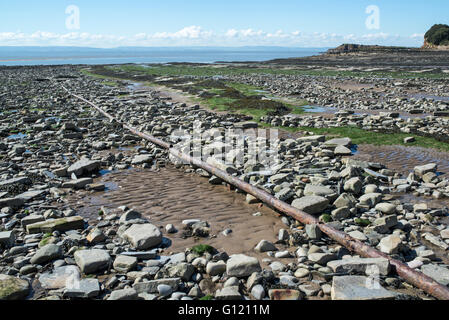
column 17, row 56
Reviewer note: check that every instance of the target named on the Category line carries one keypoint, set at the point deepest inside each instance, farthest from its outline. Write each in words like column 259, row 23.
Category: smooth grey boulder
column 321, row 258
column 143, row 236
column 353, row 185
column 258, row 292
column 422, row 170
column 216, row 268
column 265, row 246
column 92, row 260
column 386, row 208
column 129, row 216
column 240, row 265
column 181, row 270
column 47, row 253
column 390, row 244
column 124, row 263
column 321, row 191
column 342, row 151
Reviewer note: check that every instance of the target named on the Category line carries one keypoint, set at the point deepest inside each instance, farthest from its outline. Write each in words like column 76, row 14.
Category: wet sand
column 403, row 159
column 171, row 196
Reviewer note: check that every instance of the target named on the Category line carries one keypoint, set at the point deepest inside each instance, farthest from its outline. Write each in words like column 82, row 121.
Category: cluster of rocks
column 48, row 251
column 384, row 122
column 407, row 95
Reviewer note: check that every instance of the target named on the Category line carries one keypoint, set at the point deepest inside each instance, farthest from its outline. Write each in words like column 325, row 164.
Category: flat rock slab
column 361, row 265
column 311, row 204
column 143, row 236
column 84, row 166
column 140, row 255
column 93, row 260
column 78, row 183
column 312, row 139
column 15, row 181
column 12, row 288
column 345, row 142
column 85, row 288
column 32, row 219
column 359, row 288
column 61, row 225
column 141, row 159
column 60, row 277
column 152, row 286
column 14, row 203
column 321, row 191
column 422, row 170
column 438, row 273
column 123, row 294
column 31, row 195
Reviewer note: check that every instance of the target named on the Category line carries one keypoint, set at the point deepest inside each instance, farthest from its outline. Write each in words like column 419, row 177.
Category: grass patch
column 110, row 83
column 108, row 79
column 202, row 249
column 360, row 136
column 326, row 218
column 362, row 222
column 246, row 89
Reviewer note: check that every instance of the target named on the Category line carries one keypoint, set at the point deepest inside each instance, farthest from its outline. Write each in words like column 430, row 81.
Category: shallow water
column 404, row 159
column 319, row 109
column 18, row 136
column 171, row 196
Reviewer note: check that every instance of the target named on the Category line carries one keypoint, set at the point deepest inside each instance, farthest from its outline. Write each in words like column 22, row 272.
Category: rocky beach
column 90, row 210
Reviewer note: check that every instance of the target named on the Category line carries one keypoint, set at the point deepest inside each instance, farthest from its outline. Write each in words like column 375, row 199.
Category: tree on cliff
column 438, row 35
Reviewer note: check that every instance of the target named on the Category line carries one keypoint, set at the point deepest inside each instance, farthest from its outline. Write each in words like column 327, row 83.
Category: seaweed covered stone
column 12, row 288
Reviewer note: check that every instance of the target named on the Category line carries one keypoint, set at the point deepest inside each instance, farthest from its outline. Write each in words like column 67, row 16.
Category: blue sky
column 294, row 23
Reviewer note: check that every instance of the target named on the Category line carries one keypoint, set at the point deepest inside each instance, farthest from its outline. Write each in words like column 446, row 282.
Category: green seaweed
column 202, row 249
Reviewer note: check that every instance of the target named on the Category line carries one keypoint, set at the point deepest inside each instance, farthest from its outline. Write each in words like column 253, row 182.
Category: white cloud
column 192, row 32
column 195, row 35
column 417, row 36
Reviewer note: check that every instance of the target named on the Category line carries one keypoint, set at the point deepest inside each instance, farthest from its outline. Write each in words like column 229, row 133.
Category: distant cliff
column 354, row 48
column 437, row 37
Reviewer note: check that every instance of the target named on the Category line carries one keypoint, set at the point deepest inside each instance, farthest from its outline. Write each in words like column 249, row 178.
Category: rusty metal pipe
column 410, row 275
